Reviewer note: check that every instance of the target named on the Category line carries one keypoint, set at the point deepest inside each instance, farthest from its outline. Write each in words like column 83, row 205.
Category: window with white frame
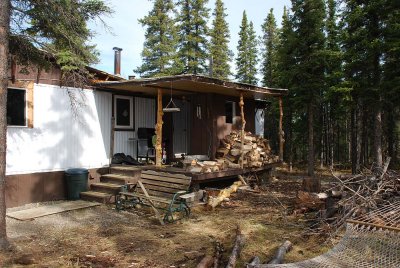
column 16, row 107
column 123, row 112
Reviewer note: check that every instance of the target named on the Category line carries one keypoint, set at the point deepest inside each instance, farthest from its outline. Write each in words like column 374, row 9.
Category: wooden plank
column 165, row 179
column 165, row 174
column 160, row 188
column 29, row 103
column 176, row 186
column 154, row 198
column 41, row 211
column 151, row 203
column 158, row 193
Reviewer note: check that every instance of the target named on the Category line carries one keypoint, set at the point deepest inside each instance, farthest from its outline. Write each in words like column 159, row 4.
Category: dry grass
column 102, row 237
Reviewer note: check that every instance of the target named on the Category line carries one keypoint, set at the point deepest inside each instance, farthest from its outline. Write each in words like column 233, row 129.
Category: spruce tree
column 308, row 20
column 57, row 28
column 285, row 63
column 246, row 60
column 363, row 45
column 193, row 31
column 159, row 49
column 269, row 42
column 219, row 49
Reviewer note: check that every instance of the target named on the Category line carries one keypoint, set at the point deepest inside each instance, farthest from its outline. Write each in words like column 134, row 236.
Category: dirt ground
column 103, row 237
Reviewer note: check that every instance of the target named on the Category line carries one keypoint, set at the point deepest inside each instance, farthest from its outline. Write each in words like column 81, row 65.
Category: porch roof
column 189, row 84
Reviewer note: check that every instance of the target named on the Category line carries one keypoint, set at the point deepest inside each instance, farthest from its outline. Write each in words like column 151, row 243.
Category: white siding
column 60, row 139
column 145, row 114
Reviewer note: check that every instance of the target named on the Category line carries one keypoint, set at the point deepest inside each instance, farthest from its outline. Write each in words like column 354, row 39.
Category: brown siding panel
column 40, row 187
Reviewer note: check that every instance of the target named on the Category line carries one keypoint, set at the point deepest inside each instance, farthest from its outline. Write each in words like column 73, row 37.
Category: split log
column 237, row 248
column 206, row 262
column 280, row 254
column 225, row 193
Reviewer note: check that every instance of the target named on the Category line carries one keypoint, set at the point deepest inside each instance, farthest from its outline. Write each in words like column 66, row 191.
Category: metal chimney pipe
column 117, row 60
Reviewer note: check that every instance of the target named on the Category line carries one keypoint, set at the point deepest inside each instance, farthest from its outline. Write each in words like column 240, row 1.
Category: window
column 16, row 107
column 230, row 112
column 123, row 112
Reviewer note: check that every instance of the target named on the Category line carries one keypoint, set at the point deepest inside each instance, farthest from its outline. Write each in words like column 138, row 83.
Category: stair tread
column 127, row 167
column 117, row 176
column 96, row 194
column 107, row 185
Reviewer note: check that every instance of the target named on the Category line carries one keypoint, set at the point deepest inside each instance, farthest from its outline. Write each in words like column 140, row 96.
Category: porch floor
column 200, row 178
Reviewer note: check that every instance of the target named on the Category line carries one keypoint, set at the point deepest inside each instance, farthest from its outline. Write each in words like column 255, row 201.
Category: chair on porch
column 145, row 147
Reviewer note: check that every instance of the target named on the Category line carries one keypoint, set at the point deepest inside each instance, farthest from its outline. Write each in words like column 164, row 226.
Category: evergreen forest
column 339, row 60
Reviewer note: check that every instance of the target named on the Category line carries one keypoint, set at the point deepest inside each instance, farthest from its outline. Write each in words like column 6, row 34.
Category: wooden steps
column 100, row 197
column 116, row 179
column 106, row 187
column 110, row 184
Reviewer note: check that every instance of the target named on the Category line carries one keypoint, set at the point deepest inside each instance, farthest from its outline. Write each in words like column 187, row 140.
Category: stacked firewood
column 205, row 166
column 256, row 150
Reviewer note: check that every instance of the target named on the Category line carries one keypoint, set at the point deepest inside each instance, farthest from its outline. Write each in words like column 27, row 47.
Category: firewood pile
column 195, row 166
column 257, row 151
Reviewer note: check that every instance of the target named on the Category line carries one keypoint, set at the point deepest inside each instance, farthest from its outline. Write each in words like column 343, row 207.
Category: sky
column 126, row 32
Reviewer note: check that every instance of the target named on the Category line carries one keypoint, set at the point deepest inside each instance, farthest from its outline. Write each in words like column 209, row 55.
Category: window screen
column 16, row 107
column 230, row 111
column 123, row 112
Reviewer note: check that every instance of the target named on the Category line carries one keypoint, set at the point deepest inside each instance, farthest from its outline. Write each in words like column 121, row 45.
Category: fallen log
column 255, row 261
column 237, row 248
column 206, row 262
column 225, row 193
column 280, row 253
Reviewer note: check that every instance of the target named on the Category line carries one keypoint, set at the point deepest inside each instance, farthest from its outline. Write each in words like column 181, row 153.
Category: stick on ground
column 280, row 254
column 237, row 248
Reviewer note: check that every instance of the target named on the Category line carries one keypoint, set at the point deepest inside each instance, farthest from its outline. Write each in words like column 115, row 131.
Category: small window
column 16, row 107
column 230, row 112
column 123, row 112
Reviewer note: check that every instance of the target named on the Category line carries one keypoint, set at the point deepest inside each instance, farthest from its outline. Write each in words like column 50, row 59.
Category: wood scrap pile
column 350, row 196
column 364, row 192
column 257, row 151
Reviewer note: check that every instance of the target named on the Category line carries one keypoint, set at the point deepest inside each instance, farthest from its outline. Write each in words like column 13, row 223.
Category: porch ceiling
column 190, row 84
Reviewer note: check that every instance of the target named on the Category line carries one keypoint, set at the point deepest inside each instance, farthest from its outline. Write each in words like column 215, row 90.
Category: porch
column 209, row 109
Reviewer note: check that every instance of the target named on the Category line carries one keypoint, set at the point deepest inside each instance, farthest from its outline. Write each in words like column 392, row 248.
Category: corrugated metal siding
column 259, row 120
column 145, row 114
column 60, row 139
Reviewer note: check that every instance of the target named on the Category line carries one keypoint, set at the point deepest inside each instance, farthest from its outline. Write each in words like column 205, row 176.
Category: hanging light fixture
column 171, row 106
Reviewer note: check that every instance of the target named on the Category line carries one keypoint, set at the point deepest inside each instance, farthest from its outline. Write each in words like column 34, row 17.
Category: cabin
column 47, row 133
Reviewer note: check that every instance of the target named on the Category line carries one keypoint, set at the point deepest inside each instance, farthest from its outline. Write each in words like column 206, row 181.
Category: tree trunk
column 378, row 137
column 359, row 135
column 354, row 143
column 4, row 37
column 310, row 139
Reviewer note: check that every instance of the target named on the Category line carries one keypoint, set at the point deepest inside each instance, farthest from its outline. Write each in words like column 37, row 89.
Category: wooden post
column 112, row 137
column 281, row 134
column 241, row 104
column 159, row 128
